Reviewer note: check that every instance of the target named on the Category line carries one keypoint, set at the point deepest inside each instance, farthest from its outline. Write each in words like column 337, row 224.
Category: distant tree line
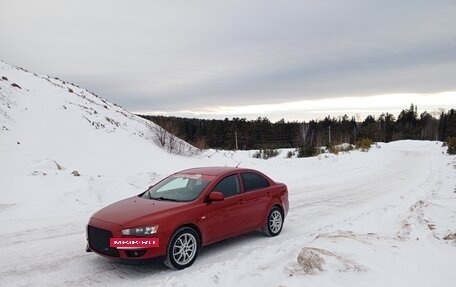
column 240, row 133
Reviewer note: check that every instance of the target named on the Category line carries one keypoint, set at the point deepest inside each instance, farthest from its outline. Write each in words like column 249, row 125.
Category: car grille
column 99, row 241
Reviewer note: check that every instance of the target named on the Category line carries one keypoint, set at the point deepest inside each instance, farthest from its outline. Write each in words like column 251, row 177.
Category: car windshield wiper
column 163, row 198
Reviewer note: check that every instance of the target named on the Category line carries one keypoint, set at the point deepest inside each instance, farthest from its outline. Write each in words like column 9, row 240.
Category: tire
column 274, row 222
column 182, row 249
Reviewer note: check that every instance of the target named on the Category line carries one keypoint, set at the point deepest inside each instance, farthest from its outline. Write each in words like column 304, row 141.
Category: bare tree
column 303, row 130
column 170, row 142
column 159, row 134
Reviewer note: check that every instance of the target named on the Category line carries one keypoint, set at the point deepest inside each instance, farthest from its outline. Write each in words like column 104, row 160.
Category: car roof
column 212, row 170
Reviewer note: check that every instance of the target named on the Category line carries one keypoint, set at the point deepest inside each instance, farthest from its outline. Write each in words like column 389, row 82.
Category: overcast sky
column 206, row 58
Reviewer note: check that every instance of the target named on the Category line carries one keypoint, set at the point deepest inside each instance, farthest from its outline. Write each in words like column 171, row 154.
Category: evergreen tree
column 262, row 133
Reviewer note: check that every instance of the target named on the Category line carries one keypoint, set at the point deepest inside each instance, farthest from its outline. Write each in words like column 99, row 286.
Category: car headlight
column 140, row 231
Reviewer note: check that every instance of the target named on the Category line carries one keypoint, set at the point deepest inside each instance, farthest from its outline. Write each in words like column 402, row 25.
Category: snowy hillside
column 50, row 119
column 386, row 217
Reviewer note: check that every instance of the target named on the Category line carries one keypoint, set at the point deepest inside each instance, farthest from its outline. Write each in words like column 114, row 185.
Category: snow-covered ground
column 382, row 218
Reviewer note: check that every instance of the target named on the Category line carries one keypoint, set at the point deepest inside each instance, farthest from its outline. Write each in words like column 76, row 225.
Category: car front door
column 225, row 218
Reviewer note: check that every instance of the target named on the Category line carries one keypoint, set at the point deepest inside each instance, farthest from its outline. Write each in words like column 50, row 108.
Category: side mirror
column 216, row 196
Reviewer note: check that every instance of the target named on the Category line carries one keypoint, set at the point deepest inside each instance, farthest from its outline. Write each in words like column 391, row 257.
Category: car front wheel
column 183, row 248
column 274, row 222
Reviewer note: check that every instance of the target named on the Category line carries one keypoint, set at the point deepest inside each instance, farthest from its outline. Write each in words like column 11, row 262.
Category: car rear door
column 227, row 217
column 256, row 196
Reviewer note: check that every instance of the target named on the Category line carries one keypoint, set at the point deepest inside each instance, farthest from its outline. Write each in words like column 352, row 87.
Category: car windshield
column 178, row 187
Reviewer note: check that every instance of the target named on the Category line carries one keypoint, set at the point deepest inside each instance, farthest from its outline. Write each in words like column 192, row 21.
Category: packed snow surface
column 386, row 217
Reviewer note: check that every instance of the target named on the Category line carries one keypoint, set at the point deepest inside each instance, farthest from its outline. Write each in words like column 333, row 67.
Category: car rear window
column 252, row 181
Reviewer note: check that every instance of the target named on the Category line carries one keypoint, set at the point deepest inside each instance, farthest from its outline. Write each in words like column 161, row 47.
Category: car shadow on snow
column 105, row 267
column 226, row 248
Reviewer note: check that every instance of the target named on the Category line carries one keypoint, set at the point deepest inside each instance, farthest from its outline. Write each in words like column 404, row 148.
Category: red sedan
column 187, row 210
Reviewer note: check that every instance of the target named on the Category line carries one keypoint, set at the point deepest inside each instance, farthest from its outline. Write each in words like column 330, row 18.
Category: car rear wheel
column 274, row 222
column 183, row 248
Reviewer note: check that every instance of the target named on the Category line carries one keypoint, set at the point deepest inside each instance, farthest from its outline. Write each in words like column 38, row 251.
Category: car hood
column 136, row 211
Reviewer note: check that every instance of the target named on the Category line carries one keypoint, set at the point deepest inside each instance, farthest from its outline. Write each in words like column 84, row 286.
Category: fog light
column 135, row 253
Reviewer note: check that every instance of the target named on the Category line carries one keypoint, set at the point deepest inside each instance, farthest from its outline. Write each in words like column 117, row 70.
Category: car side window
column 253, row 181
column 229, row 186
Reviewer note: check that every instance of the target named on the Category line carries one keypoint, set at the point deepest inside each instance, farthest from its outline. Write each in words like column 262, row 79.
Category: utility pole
column 235, row 138
column 329, row 128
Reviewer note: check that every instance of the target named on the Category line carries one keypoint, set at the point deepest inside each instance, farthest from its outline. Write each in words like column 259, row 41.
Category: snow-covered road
column 375, row 209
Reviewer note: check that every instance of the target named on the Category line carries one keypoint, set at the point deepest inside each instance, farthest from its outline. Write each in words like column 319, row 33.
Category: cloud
column 193, row 55
column 359, row 107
